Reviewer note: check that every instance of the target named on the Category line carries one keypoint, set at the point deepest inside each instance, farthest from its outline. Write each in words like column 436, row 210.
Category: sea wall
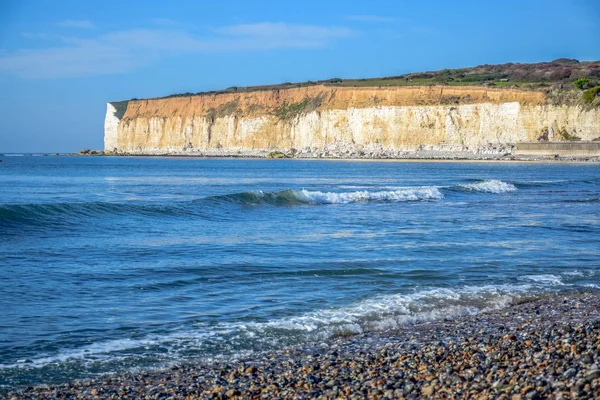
column 562, row 149
column 346, row 121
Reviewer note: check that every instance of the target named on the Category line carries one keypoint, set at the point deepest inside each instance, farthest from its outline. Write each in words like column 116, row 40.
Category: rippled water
column 110, row 264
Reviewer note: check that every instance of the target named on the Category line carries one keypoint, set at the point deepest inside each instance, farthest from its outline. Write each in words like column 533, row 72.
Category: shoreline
column 413, row 157
column 524, row 159
column 398, row 160
column 544, row 347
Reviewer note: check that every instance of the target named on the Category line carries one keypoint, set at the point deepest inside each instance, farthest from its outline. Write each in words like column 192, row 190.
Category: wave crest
column 490, row 186
column 376, row 314
column 55, row 213
column 291, row 197
column 399, row 195
column 58, row 214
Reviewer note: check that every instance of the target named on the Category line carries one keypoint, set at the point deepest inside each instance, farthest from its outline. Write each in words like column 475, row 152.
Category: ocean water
column 112, row 264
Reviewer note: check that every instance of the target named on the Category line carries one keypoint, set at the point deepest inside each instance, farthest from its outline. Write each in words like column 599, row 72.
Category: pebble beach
column 546, row 347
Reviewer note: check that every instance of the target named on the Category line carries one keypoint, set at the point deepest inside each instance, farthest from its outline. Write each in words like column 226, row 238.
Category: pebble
column 593, row 374
column 570, row 373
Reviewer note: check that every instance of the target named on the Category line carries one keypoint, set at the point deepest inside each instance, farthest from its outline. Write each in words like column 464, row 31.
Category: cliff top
column 562, row 81
column 559, row 73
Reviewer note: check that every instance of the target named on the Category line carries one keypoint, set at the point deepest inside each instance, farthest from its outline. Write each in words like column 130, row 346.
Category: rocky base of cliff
column 491, row 153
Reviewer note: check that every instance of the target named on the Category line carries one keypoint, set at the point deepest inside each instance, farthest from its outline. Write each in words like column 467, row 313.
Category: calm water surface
column 110, row 264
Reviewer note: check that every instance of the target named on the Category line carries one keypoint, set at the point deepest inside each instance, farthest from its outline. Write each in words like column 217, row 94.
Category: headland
column 482, row 112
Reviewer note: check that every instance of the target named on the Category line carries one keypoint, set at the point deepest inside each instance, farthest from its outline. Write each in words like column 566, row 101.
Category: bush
column 275, row 154
column 229, row 108
column 120, row 107
column 581, row 82
column 567, row 136
column 590, row 94
column 288, row 112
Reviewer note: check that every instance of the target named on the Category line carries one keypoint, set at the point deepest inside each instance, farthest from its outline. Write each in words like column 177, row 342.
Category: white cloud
column 127, row 50
column 370, row 18
column 70, row 23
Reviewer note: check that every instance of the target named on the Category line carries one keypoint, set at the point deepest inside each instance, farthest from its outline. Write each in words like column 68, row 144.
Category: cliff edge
column 336, row 119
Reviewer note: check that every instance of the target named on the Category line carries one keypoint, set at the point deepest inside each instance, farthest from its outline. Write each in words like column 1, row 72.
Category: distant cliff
column 333, row 120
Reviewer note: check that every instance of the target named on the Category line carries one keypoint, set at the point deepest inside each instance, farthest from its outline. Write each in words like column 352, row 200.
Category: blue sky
column 61, row 61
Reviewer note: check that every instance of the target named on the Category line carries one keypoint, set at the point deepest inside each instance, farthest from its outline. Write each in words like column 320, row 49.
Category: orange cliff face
column 333, row 98
column 345, row 121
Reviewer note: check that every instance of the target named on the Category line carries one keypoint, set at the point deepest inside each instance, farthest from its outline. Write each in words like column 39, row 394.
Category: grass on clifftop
column 590, row 95
column 565, row 81
column 559, row 74
column 121, row 107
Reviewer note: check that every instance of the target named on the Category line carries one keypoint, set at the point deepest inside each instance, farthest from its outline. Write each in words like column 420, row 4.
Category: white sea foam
column 385, row 312
column 374, row 314
column 573, row 273
column 354, row 187
column 83, row 352
column 548, row 279
column 398, row 195
column 490, row 186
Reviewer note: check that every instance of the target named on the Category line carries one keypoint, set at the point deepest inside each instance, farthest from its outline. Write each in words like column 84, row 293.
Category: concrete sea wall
column 564, row 149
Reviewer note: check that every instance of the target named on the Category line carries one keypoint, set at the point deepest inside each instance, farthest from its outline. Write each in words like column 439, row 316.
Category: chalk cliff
column 329, row 121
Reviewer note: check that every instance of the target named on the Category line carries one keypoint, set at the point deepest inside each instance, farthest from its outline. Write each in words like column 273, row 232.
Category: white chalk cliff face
column 111, row 124
column 346, row 122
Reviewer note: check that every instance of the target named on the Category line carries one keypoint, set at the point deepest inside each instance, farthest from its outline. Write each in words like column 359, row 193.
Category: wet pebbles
column 542, row 348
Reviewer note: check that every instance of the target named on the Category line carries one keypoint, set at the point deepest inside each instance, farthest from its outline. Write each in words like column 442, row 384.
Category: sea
column 115, row 264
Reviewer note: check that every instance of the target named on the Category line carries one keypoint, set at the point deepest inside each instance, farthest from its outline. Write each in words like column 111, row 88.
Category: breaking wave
column 490, row 186
column 242, row 339
column 57, row 213
column 290, row 197
column 399, row 195
column 393, row 311
column 375, row 314
column 548, row 279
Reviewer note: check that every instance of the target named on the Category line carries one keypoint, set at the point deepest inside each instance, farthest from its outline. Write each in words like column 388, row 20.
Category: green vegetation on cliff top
column 560, row 75
column 120, row 107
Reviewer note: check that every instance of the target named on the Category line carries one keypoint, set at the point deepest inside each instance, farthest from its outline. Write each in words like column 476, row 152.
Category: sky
column 62, row 61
